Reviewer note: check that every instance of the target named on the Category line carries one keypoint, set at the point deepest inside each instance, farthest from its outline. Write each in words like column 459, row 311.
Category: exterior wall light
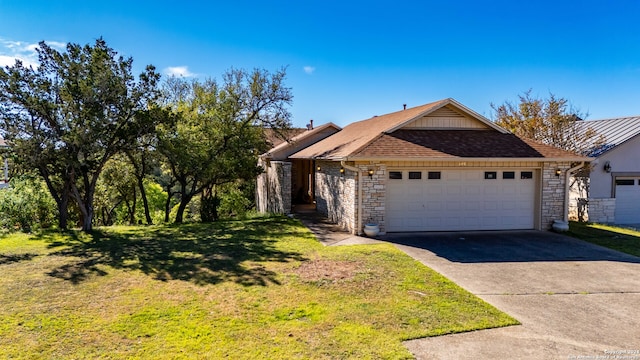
column 318, row 168
column 558, row 172
column 370, row 172
column 607, row 167
column 341, row 170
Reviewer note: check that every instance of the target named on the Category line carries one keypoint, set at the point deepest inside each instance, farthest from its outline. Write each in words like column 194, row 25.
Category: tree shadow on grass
column 11, row 258
column 200, row 253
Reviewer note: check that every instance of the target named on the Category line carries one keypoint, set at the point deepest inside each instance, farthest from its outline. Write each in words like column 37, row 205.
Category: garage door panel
column 435, row 205
column 460, row 200
column 490, row 188
column 491, row 205
column 473, row 222
column 415, row 206
column 489, row 222
column 473, row 190
column 454, row 205
column 627, row 209
column 509, row 189
column 473, row 205
column 509, row 205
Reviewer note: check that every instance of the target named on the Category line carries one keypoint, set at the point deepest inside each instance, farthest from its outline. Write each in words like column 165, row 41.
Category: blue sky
column 350, row 60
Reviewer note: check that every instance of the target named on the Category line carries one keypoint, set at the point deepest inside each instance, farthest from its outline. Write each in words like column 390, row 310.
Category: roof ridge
column 611, row 119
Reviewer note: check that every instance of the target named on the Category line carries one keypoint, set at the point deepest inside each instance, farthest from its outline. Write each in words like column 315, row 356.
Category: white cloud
column 309, row 69
column 26, row 52
column 179, row 71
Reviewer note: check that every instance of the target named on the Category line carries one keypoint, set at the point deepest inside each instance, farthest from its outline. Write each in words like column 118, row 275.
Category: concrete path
column 331, row 234
column 574, row 299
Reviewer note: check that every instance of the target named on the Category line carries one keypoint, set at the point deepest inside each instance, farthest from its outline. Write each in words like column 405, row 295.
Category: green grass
column 616, row 238
column 259, row 288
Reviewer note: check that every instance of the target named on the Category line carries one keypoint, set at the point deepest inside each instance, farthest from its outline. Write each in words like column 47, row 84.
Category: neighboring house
column 435, row 167
column 614, row 179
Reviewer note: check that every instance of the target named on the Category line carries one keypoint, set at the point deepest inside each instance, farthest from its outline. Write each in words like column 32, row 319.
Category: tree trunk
column 87, row 219
column 85, row 205
column 63, row 211
column 132, row 212
column 167, row 206
column 145, row 202
column 209, row 205
column 61, row 197
column 184, row 201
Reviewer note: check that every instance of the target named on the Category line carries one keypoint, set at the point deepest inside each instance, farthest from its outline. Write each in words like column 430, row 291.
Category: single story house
column 435, row 167
column 613, row 194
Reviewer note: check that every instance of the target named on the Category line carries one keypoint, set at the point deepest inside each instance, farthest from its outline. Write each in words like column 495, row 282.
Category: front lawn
column 616, row 238
column 259, row 288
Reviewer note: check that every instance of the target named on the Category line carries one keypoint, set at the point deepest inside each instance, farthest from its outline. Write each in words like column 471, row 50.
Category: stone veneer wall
column 273, row 187
column 553, row 193
column 374, row 194
column 601, row 210
column 336, row 194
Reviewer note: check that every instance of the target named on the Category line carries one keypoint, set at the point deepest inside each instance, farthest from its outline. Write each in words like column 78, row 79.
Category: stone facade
column 601, row 210
column 374, row 194
column 336, row 194
column 273, row 187
column 553, row 193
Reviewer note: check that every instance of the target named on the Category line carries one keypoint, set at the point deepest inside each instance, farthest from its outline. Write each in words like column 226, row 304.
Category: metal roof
column 615, row 131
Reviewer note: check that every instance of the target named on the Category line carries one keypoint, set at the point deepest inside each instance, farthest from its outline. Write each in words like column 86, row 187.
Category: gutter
column 459, row 160
column 359, row 215
column 567, row 175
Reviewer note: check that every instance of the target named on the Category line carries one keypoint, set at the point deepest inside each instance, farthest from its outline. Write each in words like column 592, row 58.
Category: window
column 625, row 182
column 490, row 175
column 526, row 175
column 434, row 175
column 395, row 175
column 508, row 175
column 414, row 175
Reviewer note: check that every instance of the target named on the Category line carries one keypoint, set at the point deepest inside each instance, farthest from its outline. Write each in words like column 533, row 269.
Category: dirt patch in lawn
column 328, row 270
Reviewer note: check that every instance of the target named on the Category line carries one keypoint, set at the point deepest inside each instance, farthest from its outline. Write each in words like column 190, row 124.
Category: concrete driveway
column 574, row 299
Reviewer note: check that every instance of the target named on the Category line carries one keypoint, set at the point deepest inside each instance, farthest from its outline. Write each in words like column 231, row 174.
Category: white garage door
column 451, row 200
column 627, row 201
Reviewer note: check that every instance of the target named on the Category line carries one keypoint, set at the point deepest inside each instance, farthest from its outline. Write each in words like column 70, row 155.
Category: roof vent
column 310, row 125
column 404, row 106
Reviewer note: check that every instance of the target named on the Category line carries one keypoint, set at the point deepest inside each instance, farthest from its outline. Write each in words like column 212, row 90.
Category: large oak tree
column 218, row 133
column 68, row 116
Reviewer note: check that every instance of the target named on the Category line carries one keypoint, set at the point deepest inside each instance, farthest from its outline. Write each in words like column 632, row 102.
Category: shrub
column 26, row 204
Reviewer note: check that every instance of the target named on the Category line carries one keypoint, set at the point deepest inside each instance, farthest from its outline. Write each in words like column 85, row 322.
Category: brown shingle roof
column 275, row 138
column 382, row 137
column 453, row 144
column 358, row 134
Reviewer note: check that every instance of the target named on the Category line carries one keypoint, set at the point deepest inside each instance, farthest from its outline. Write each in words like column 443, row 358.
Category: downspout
column 359, row 215
column 567, row 175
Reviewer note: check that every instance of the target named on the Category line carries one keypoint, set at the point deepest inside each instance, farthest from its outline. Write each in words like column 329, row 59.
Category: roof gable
column 301, row 141
column 448, row 114
column 446, row 117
